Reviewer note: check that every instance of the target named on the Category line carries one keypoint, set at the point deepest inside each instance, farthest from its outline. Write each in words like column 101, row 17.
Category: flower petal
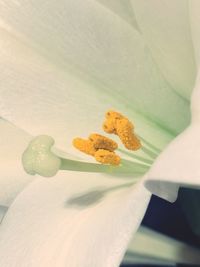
column 72, row 220
column 194, row 6
column 166, row 28
column 123, row 9
column 154, row 246
column 12, row 176
column 99, row 48
column 45, row 100
column 178, row 164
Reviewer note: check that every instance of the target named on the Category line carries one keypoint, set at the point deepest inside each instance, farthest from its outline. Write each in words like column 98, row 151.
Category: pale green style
column 62, row 65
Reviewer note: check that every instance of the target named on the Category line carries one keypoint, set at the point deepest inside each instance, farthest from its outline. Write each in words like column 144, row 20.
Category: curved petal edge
column 178, row 165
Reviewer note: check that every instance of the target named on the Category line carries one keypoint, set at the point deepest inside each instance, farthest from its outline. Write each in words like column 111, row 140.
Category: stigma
column 39, row 159
column 119, row 125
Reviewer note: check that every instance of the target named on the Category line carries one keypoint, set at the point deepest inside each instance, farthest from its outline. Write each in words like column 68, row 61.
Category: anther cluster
column 103, row 148
column 100, row 147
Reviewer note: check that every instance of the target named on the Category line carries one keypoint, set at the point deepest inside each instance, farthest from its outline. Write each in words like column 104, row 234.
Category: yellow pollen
column 118, row 124
column 99, row 146
column 102, row 142
column 107, row 157
column 109, row 125
column 85, row 146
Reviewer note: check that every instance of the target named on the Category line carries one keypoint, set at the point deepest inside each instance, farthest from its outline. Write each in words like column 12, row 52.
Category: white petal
column 76, row 220
column 156, row 247
column 45, row 100
column 194, row 6
column 3, row 210
column 12, row 176
column 166, row 28
column 123, row 9
column 178, row 165
column 101, row 49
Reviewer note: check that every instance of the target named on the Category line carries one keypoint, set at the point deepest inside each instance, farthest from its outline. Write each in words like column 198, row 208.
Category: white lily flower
column 63, row 64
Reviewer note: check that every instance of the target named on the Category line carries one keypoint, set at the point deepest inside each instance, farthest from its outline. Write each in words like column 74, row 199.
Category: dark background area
column 169, row 219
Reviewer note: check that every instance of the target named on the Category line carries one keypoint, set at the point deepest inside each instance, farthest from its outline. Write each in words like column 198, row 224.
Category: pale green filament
column 38, row 158
column 126, row 168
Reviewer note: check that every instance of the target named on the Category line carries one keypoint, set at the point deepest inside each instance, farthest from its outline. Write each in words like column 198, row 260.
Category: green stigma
column 38, row 158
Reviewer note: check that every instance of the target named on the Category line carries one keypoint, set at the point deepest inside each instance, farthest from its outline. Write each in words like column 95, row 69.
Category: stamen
column 125, row 133
column 85, row 146
column 100, row 147
column 109, row 125
column 118, row 124
column 102, row 142
column 107, row 157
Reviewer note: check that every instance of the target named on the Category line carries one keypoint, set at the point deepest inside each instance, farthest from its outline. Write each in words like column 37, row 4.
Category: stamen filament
column 156, row 149
column 127, row 168
column 149, row 152
column 133, row 156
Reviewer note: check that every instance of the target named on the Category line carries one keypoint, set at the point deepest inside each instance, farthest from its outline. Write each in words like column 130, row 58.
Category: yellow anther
column 125, row 133
column 102, row 142
column 118, row 124
column 107, row 157
column 85, row 146
column 100, row 147
column 109, row 125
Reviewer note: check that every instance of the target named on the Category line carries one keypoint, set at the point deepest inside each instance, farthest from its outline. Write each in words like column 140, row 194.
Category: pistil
column 38, row 158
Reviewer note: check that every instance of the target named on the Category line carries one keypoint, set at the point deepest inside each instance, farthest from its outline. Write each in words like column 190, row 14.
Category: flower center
column 101, row 147
column 38, row 158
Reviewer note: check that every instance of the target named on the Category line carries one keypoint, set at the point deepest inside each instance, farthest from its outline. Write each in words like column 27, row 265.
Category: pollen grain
column 118, row 124
column 85, row 146
column 107, row 157
column 100, row 147
column 102, row 142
